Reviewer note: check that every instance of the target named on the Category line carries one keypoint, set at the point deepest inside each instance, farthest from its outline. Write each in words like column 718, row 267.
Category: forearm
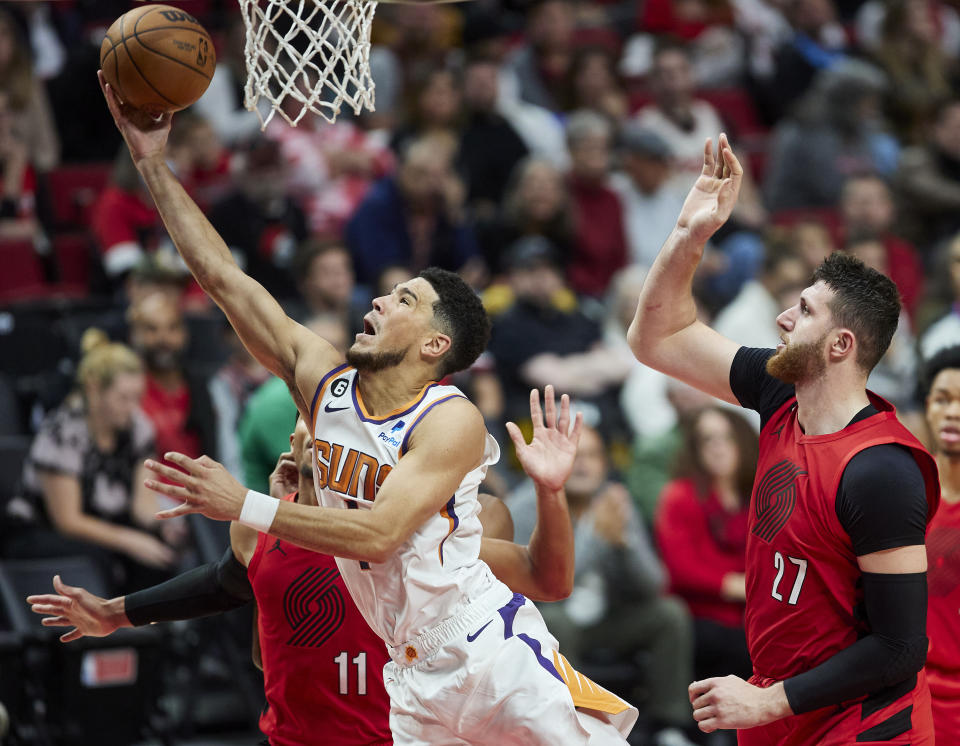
column 666, row 303
column 551, row 549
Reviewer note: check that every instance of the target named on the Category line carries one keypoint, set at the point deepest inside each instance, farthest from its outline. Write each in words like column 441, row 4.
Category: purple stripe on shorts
column 535, row 647
column 509, row 611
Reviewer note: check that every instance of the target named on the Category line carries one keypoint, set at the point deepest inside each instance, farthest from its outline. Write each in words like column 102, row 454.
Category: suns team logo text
column 352, row 473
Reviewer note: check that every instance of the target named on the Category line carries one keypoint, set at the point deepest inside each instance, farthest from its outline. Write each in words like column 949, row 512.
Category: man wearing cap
column 648, row 191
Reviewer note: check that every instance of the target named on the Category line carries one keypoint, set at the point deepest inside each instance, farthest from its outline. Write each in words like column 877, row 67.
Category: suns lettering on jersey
column 349, row 471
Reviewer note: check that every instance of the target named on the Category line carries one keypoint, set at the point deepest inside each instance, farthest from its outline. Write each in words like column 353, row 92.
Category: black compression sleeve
column 210, row 589
column 896, row 607
column 753, row 386
column 882, row 499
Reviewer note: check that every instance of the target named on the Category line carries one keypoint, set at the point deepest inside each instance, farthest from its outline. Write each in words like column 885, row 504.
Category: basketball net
column 307, row 56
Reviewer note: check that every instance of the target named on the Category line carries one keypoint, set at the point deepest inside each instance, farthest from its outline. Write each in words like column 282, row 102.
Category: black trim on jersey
column 886, row 697
column 893, row 726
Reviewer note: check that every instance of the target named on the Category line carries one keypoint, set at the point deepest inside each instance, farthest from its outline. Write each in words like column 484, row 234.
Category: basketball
column 157, row 58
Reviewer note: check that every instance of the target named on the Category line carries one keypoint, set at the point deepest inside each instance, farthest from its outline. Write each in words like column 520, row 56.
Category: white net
column 307, row 56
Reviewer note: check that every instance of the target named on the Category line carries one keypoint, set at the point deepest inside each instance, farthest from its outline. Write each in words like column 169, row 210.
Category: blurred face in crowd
column 424, row 172
column 716, row 446
column 812, row 242
column 328, row 282
column 440, row 99
column 593, row 76
column 541, row 191
column 810, row 15
column 205, row 146
column 537, row 284
column 672, row 79
column 589, row 471
column 481, row 86
column 789, row 278
column 919, row 22
column 115, row 403
column 647, row 172
column 331, row 328
column 943, row 412
column 946, row 132
column 872, row 253
column 867, row 204
column 158, row 334
column 391, row 277
column 590, row 157
column 551, row 25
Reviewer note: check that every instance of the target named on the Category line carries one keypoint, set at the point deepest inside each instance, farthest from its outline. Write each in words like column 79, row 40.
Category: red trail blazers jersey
column 943, row 621
column 803, row 592
column 322, row 664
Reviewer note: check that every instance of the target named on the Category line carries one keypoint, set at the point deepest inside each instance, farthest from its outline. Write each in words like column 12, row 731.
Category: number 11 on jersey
column 343, row 661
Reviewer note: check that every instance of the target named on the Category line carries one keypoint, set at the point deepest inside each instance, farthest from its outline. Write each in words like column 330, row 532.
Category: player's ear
column 842, row 346
column 435, row 346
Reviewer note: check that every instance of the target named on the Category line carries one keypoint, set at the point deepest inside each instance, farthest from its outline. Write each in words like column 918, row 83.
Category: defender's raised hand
column 548, row 458
column 89, row 615
column 714, row 194
column 145, row 135
column 202, row 484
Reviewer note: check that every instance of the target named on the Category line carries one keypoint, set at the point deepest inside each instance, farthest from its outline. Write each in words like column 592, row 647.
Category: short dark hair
column 865, row 302
column 460, row 314
column 945, row 359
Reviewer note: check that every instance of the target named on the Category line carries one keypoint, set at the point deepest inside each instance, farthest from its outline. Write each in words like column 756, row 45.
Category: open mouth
column 368, row 327
column 950, row 434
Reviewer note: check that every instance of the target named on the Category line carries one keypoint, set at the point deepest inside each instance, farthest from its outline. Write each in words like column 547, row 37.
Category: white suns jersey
column 438, row 568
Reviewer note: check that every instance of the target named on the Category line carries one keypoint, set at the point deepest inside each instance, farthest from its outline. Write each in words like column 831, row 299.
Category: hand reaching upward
column 714, row 194
column 548, row 458
column 146, row 136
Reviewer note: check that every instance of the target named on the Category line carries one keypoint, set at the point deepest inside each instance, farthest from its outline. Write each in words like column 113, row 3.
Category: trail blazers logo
column 776, row 498
column 314, row 607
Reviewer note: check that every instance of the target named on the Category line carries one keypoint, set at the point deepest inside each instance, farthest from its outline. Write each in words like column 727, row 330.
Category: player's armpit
column 243, row 542
column 495, row 518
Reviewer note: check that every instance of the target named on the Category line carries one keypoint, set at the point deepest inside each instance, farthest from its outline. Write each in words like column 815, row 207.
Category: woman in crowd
column 701, row 530
column 83, row 490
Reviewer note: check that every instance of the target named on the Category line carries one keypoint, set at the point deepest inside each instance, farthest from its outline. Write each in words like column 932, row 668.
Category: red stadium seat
column 22, row 271
column 74, row 256
column 73, row 190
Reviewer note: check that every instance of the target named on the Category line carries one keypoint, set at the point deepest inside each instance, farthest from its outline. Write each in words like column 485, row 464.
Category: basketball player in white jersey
column 471, row 661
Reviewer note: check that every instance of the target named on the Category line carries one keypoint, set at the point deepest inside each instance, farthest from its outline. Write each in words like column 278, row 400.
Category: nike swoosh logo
column 475, row 635
column 328, row 408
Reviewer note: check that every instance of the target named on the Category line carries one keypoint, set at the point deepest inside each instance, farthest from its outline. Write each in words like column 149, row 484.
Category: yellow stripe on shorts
column 585, row 692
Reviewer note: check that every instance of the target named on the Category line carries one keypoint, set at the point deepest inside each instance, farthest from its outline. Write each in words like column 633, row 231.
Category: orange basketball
column 157, row 58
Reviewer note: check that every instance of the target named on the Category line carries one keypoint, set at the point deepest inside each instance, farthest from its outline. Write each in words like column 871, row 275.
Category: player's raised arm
column 543, row 570
column 266, row 331
column 665, row 333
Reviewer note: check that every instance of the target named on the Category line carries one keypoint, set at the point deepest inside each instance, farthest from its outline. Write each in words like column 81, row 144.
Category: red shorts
column 841, row 726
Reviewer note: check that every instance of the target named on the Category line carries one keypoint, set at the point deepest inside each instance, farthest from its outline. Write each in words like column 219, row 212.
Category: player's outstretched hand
column 89, row 615
column 201, row 484
column 714, row 194
column 730, row 702
column 145, row 135
column 548, row 458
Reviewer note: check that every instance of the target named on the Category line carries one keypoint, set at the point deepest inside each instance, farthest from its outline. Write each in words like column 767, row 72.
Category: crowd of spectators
column 542, row 149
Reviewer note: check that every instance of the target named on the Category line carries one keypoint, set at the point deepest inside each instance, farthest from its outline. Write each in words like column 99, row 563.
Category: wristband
column 258, row 511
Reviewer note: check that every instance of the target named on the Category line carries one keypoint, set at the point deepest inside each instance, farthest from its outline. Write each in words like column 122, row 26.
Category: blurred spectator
column 83, row 490
column 489, row 146
column 18, row 181
column 30, row 107
column 329, row 168
column 836, row 132
column 867, row 207
column 684, row 122
column 600, row 248
column 324, row 277
column 617, row 604
column 894, row 377
column 945, row 331
column 389, row 277
column 545, row 338
column 701, row 530
column 650, row 196
column 750, row 318
column 414, row 217
column 434, row 105
column 929, row 181
column 593, row 84
column 49, row 55
column 175, row 398
column 271, row 412
column 811, row 240
column 260, row 221
column 536, row 203
column 222, row 103
column 816, row 42
column 871, row 15
column 230, row 388
column 124, row 221
column 197, row 156
column 541, row 66
column 918, row 72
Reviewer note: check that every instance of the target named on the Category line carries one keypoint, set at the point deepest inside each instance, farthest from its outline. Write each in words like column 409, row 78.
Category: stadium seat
column 22, row 273
column 73, row 190
column 75, row 257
